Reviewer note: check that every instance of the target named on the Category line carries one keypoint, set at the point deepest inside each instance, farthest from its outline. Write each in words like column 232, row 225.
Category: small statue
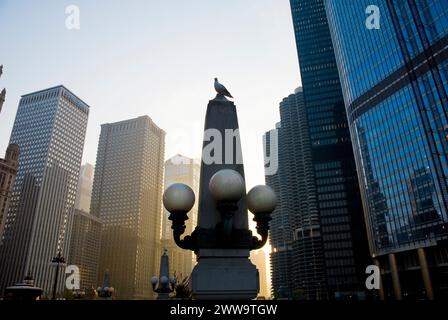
column 222, row 91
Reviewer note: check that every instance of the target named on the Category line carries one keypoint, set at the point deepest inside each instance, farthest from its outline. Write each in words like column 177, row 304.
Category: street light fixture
column 227, row 188
column 105, row 292
column 222, row 239
column 163, row 285
column 58, row 260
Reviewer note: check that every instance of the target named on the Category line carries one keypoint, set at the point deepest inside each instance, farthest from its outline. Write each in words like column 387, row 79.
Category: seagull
column 221, row 89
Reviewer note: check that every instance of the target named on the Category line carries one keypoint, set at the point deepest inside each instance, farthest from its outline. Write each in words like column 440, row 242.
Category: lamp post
column 227, row 188
column 58, row 260
column 105, row 292
column 222, row 239
column 163, row 285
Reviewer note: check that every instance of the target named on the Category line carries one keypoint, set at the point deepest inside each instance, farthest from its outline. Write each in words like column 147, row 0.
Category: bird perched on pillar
column 222, row 91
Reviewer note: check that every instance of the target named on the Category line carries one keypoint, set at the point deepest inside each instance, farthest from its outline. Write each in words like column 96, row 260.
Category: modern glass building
column 330, row 236
column 49, row 128
column 127, row 197
column 395, row 85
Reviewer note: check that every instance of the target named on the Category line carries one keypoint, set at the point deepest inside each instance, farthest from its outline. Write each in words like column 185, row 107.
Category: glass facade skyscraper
column 329, row 235
column 49, row 128
column 395, row 84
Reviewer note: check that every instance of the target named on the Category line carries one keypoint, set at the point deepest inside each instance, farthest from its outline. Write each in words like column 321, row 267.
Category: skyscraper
column 86, row 232
column 393, row 63
column 50, row 129
column 297, row 272
column 180, row 169
column 85, row 248
column 127, row 196
column 84, row 190
column 329, row 236
column 282, row 145
column 8, row 172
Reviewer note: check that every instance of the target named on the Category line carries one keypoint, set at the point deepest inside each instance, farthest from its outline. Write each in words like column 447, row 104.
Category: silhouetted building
column 50, row 129
column 180, row 169
column 85, row 247
column 330, row 251
column 127, row 197
column 395, row 93
column 8, row 172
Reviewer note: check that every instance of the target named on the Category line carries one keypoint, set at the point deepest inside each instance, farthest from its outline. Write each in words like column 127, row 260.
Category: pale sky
column 154, row 57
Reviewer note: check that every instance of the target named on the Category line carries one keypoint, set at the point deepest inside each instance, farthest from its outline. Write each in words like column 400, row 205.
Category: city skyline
column 345, row 174
column 162, row 76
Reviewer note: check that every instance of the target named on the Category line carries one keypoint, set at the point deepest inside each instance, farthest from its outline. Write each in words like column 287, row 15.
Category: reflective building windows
column 395, row 89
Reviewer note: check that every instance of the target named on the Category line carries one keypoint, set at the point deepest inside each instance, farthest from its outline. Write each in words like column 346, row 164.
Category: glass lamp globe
column 178, row 197
column 164, row 280
column 154, row 280
column 227, row 185
column 261, row 199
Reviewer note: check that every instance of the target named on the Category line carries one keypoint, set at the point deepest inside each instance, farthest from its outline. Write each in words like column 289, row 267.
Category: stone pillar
column 381, row 290
column 220, row 151
column 425, row 273
column 164, row 272
column 395, row 277
column 222, row 273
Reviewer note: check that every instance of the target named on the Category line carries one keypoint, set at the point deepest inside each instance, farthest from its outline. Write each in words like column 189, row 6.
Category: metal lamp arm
column 262, row 220
column 178, row 219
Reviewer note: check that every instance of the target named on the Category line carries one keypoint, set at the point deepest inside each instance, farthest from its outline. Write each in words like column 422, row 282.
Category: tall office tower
column 280, row 228
column 49, row 128
column 8, row 172
column 258, row 258
column 338, row 217
column 297, row 264
column 127, row 197
column 3, row 92
column 395, row 92
column 84, row 190
column 180, row 169
column 85, row 247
